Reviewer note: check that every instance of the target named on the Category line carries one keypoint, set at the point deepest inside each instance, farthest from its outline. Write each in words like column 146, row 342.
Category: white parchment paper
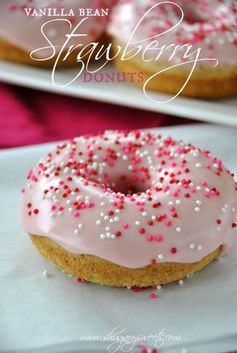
column 36, row 311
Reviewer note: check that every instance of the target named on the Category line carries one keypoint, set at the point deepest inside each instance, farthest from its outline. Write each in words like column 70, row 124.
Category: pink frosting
column 25, row 31
column 209, row 25
column 132, row 198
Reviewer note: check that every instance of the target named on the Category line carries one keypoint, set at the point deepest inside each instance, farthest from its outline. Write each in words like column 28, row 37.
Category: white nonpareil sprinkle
column 46, row 274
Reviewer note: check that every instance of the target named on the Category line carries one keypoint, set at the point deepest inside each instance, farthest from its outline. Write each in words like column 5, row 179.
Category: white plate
column 37, row 311
column 220, row 112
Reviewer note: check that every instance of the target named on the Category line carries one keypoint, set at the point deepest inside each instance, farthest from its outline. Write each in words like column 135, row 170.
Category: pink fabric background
column 31, row 117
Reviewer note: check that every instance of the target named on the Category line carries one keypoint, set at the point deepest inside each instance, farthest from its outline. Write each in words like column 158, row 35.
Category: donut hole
column 195, row 17
column 125, row 185
column 128, row 187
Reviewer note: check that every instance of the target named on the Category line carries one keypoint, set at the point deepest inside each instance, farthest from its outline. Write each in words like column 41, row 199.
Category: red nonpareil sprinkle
column 142, row 230
column 80, row 280
column 156, row 205
column 159, row 237
column 153, row 261
column 218, row 221
column 173, row 250
column 125, row 225
column 36, row 211
column 153, row 296
column 150, row 237
column 29, row 205
column 136, row 289
column 12, row 7
column 143, row 350
column 118, row 234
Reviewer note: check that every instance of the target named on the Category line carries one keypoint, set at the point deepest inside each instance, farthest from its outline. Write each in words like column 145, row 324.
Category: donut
column 130, row 208
column 21, row 34
column 210, row 25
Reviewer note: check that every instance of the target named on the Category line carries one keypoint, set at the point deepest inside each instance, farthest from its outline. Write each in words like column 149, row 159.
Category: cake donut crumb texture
column 94, row 269
column 135, row 203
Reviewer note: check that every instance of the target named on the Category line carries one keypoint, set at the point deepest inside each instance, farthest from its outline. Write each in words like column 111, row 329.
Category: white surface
column 220, row 112
column 37, row 311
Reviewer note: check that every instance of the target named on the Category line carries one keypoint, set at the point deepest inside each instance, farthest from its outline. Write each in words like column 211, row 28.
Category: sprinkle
column 178, row 230
column 192, row 246
column 150, row 237
column 153, row 296
column 159, row 237
column 46, row 274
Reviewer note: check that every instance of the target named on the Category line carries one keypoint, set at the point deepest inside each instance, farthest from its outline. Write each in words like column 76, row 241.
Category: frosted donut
column 21, row 34
column 130, row 208
column 209, row 25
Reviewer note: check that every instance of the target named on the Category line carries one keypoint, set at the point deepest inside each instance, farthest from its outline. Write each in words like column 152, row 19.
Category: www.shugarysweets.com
column 118, row 340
